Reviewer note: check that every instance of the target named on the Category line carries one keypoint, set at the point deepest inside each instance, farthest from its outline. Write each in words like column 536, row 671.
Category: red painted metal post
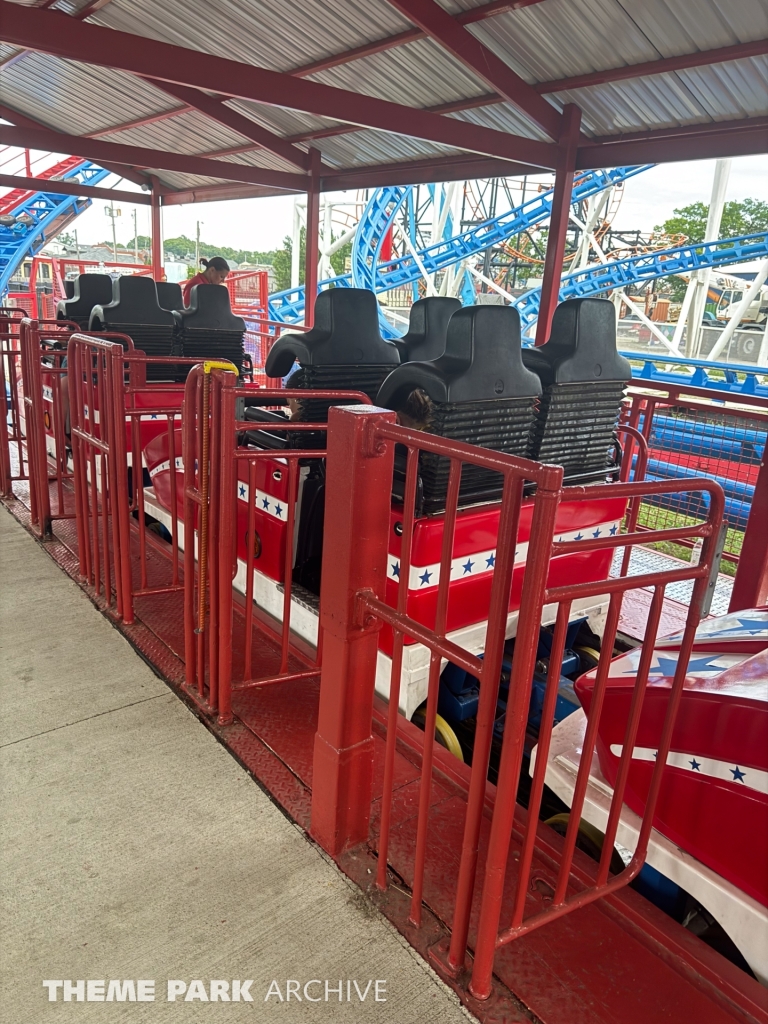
column 751, row 585
column 312, row 254
column 558, row 225
column 157, row 238
column 359, row 476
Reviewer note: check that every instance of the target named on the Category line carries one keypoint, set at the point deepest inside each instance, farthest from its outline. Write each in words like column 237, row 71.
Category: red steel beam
column 558, row 225
column 744, row 137
column 122, row 170
column 701, row 58
column 62, row 36
column 158, row 270
column 139, row 122
column 440, row 26
column 410, row 35
column 95, row 149
column 220, row 193
column 220, row 112
column 750, row 588
column 70, row 188
column 312, row 249
column 417, row 172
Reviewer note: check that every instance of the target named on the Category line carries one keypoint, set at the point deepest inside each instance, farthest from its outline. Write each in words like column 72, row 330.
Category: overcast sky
column 261, row 224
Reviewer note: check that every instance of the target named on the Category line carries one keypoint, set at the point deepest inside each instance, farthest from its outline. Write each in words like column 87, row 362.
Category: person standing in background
column 216, row 270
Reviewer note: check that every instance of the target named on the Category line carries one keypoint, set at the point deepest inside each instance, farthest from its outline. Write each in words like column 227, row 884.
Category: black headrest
column 89, row 290
column 169, row 295
column 134, row 301
column 209, row 310
column 581, row 346
column 427, row 328
column 346, row 332
column 482, row 361
column 69, row 289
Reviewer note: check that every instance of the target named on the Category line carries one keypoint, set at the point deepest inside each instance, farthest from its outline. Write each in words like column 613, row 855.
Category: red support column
column 558, row 225
column 157, row 238
column 359, row 476
column 312, row 254
column 750, row 587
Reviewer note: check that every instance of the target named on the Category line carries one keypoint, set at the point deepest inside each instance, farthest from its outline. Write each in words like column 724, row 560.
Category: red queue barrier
column 359, row 473
column 12, row 449
column 215, row 464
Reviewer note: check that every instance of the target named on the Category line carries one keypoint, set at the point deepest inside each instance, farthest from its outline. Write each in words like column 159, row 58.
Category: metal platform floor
column 580, row 969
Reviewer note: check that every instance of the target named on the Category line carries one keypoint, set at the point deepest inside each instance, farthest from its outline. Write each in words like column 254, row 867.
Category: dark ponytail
column 217, row 263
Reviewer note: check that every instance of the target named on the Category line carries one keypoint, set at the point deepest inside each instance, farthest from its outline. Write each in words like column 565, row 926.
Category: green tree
column 282, row 262
column 739, row 218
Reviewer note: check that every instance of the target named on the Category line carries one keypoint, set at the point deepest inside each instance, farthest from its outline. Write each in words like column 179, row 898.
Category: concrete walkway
column 135, row 848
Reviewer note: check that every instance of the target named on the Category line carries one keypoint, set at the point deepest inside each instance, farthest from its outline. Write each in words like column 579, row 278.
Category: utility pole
column 77, row 245
column 197, row 246
column 135, row 235
column 112, row 213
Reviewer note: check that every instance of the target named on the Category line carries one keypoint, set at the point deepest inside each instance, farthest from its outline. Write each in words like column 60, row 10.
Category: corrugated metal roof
column 549, row 40
column 280, row 35
column 79, row 99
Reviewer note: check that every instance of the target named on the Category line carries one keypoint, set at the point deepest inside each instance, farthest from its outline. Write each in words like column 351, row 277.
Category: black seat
column 88, row 290
column 135, row 311
column 169, row 295
column 478, row 391
column 208, row 329
column 343, row 351
column 427, row 329
column 583, row 381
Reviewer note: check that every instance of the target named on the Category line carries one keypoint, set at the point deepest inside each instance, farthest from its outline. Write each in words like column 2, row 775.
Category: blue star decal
column 278, row 510
column 467, row 567
column 744, row 626
column 694, row 765
column 667, row 666
column 426, row 577
column 153, row 416
column 396, row 569
column 738, row 776
column 613, row 530
column 265, row 503
column 579, row 536
column 597, row 532
column 242, row 490
column 490, row 562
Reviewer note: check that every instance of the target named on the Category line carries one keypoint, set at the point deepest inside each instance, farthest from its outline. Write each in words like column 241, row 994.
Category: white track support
column 298, row 217
column 652, row 327
column 677, row 337
column 700, row 279
column 722, row 342
column 491, row 284
column 417, row 259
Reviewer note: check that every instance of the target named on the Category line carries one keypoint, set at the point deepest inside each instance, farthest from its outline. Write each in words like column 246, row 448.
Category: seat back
column 478, row 391
column 208, row 329
column 343, row 351
column 169, row 295
column 135, row 311
column 583, row 380
column 427, row 329
column 88, row 290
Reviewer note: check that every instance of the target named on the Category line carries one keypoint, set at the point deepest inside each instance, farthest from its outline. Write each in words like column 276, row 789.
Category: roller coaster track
column 40, row 216
column 383, row 207
column 605, row 277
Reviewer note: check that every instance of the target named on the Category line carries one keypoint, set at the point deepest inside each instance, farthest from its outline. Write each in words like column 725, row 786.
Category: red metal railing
column 215, row 464
column 46, row 411
column 360, row 453
column 12, row 449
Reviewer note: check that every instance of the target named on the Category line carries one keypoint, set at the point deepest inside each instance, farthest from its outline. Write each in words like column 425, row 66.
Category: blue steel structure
column 39, row 218
column 367, row 272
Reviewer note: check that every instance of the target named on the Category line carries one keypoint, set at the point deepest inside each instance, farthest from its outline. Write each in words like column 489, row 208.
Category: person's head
column 417, row 411
column 216, row 270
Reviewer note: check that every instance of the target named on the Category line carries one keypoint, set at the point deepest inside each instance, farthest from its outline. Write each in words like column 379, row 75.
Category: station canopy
column 221, row 99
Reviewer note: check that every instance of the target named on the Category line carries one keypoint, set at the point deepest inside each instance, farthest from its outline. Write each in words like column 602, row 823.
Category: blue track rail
column 367, row 272
column 646, row 267
column 700, row 375
column 42, row 216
